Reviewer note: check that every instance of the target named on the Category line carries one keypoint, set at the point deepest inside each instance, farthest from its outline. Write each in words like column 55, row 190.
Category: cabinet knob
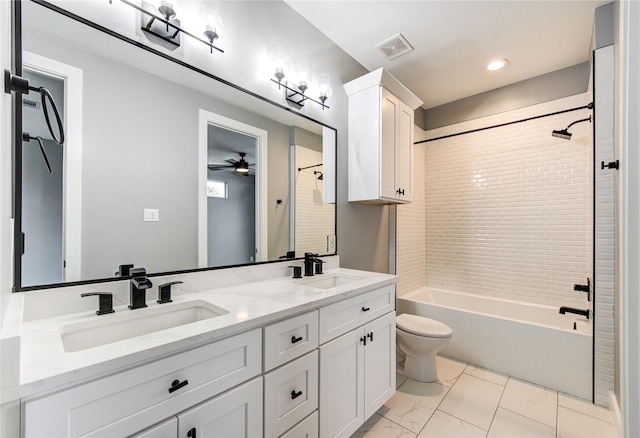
column 364, row 340
column 177, row 384
column 370, row 336
column 294, row 339
column 400, row 192
column 295, row 395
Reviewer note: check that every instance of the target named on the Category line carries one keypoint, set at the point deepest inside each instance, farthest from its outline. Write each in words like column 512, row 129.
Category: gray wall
column 140, row 150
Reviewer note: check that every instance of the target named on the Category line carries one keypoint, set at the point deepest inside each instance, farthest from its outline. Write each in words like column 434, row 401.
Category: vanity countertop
column 45, row 366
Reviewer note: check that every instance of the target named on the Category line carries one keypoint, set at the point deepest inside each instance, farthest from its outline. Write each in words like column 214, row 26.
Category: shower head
column 562, row 133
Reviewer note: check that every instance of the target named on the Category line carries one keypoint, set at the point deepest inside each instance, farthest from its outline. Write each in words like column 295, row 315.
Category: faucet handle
column 297, row 271
column 319, row 263
column 124, row 270
column 105, row 301
column 164, row 292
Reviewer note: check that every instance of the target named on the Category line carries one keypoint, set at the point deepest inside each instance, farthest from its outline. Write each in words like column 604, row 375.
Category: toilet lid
column 421, row 326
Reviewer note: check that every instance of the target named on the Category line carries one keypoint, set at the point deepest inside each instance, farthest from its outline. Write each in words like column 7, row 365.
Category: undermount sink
column 129, row 324
column 328, row 281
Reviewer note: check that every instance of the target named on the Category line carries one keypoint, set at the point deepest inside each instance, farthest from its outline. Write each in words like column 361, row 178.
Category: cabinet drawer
column 307, row 428
column 337, row 319
column 292, row 391
column 120, row 404
column 167, row 428
column 288, row 339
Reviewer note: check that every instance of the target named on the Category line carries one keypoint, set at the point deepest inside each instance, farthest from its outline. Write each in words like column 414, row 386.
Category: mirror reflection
column 151, row 171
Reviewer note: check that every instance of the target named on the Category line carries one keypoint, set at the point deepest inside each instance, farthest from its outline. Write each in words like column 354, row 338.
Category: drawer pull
column 370, row 336
column 295, row 395
column 365, row 309
column 177, row 384
column 294, row 339
column 192, row 433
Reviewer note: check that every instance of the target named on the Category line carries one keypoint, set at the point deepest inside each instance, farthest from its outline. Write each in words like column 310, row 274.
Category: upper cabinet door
column 380, row 139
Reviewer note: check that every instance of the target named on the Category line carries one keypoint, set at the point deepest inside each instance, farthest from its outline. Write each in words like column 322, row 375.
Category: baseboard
column 616, row 417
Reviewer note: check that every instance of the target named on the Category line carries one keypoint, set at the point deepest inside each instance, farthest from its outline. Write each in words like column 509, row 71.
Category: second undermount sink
column 328, row 281
column 129, row 324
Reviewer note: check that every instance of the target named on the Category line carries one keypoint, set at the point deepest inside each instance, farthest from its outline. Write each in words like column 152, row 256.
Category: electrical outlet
column 151, row 215
column 331, row 244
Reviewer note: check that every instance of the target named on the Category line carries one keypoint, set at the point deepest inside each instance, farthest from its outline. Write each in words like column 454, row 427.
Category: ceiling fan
column 241, row 167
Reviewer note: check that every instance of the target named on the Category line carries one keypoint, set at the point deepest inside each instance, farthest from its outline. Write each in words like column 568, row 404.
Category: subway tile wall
column 314, row 220
column 504, row 212
column 605, row 226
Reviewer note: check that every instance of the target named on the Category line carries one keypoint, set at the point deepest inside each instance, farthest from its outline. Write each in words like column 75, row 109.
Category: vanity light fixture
column 295, row 90
column 160, row 20
column 497, row 64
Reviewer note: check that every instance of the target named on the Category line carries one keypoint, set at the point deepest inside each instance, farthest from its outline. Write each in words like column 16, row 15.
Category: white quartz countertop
column 45, row 366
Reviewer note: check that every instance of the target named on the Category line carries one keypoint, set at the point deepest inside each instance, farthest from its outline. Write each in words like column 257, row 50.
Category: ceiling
column 455, row 40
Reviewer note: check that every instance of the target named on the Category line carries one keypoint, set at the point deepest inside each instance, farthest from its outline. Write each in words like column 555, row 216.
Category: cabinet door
column 166, row 429
column 236, row 413
column 404, row 152
column 389, row 109
column 379, row 362
column 342, row 385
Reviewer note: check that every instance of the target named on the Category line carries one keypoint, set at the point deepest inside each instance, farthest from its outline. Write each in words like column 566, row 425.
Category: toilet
column 418, row 339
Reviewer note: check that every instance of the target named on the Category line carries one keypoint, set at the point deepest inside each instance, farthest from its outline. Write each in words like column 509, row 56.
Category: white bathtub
column 528, row 341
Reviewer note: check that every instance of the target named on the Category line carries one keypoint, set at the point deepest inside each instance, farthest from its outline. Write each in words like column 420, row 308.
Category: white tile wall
column 504, row 212
column 314, row 220
column 605, row 226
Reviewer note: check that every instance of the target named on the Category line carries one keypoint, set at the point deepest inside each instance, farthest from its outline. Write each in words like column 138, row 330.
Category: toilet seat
column 421, row 326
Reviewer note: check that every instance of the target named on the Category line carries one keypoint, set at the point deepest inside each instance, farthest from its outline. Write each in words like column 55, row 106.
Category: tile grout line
column 504, row 388
column 445, row 396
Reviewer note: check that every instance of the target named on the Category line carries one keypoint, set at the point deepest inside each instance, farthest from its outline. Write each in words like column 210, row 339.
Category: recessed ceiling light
column 497, row 64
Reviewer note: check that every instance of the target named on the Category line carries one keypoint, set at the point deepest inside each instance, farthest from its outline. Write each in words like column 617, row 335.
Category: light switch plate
column 151, row 215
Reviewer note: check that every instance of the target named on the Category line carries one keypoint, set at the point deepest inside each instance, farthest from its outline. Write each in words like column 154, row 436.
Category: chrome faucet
column 138, row 286
column 565, row 309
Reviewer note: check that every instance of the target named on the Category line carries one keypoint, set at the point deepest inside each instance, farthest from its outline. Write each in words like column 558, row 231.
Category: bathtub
column 531, row 342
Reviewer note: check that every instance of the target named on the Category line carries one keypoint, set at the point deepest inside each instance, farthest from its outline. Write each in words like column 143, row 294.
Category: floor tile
column 531, row 401
column 572, row 424
column 508, row 425
column 413, row 404
column 379, row 427
column 472, row 400
column 485, row 374
column 449, row 370
column 585, row 407
column 443, row 425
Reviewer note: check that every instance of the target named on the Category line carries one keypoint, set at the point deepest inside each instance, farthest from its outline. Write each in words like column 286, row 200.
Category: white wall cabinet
column 381, row 122
column 357, row 371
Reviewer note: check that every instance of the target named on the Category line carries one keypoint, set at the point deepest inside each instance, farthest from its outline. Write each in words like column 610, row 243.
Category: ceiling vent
column 395, row 46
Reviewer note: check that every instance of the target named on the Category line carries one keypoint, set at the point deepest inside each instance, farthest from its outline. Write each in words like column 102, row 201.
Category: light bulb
column 303, row 68
column 324, row 83
column 279, row 57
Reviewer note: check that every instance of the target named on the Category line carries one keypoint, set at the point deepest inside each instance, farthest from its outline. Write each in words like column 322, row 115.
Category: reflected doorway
column 232, row 217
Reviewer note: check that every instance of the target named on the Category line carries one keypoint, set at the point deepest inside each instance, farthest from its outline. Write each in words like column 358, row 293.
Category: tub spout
column 565, row 309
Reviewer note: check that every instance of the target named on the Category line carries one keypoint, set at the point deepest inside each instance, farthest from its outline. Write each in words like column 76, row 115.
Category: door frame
column 207, row 118
column 72, row 158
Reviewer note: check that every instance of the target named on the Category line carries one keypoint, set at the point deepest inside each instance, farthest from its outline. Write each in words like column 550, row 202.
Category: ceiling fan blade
column 219, row 166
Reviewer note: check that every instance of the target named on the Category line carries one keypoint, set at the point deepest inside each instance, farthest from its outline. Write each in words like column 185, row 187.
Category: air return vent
column 395, row 46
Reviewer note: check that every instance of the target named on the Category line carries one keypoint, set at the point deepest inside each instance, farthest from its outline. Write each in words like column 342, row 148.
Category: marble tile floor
column 468, row 401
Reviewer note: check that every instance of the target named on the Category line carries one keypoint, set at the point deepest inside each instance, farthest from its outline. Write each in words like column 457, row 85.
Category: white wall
column 506, row 210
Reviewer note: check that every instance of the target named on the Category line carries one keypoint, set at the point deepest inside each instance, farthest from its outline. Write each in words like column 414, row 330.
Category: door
column 388, row 145
column 404, row 151
column 234, row 414
column 379, row 362
column 342, row 385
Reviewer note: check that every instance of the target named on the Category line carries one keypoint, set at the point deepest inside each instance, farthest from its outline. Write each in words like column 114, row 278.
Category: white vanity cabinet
column 381, row 118
column 130, row 401
column 357, row 368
